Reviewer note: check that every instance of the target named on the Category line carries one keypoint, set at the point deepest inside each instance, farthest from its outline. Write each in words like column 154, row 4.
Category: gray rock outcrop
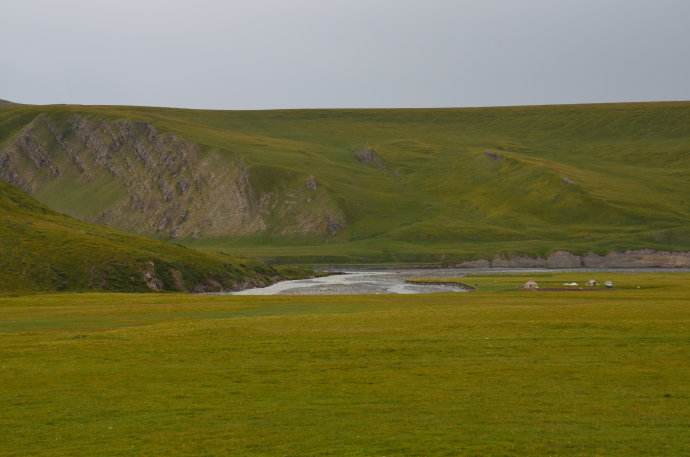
column 642, row 258
column 133, row 176
column 563, row 259
column 369, row 156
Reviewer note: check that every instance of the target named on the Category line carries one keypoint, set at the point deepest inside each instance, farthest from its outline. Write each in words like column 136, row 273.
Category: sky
column 257, row 54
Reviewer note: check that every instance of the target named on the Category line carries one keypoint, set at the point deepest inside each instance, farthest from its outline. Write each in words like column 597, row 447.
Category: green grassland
column 576, row 177
column 41, row 250
column 498, row 371
column 511, row 281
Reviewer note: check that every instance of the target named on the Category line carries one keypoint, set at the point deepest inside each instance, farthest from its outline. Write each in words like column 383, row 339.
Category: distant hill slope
column 372, row 185
column 41, row 250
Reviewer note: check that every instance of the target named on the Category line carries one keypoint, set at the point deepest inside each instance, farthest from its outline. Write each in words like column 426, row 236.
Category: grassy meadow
column 498, row 371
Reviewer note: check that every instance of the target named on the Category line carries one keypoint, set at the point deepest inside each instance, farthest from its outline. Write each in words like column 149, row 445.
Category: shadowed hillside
column 374, row 185
column 42, row 250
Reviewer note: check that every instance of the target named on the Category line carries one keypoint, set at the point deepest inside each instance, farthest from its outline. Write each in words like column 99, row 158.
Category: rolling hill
column 365, row 185
column 42, row 250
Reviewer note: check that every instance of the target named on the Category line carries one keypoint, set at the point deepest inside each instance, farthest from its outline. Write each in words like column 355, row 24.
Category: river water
column 360, row 282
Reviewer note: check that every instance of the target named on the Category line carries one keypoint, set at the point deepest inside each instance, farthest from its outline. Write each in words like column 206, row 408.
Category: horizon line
column 362, row 108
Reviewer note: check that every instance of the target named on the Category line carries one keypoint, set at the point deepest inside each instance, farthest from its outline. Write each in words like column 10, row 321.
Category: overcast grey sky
column 343, row 53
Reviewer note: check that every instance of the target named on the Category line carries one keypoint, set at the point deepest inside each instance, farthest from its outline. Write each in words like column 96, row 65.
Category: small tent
column 531, row 285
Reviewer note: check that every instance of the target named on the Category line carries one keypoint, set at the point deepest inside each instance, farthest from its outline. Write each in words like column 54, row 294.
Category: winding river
column 358, row 283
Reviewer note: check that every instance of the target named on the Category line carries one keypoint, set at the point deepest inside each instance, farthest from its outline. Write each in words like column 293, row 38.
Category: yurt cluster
column 592, row 283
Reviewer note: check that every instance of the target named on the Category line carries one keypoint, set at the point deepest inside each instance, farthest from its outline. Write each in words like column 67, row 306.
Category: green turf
column 41, row 250
column 576, row 177
column 494, row 372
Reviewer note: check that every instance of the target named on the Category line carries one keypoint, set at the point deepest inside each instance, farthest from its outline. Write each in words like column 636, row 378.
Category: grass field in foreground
column 493, row 372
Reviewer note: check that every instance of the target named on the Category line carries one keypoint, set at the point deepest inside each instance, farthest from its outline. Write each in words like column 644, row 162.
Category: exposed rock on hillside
column 370, row 157
column 643, row 258
column 493, row 155
column 130, row 175
column 518, row 262
column 150, row 278
column 563, row 259
column 312, row 184
column 158, row 277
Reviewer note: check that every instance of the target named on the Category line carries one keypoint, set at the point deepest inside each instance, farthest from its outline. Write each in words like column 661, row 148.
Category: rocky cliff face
column 642, row 258
column 130, row 175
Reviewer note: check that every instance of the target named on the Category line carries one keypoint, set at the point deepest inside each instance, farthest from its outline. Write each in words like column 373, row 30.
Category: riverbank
column 557, row 260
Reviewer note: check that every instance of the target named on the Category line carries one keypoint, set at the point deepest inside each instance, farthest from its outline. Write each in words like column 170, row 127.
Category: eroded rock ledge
column 132, row 176
column 642, row 258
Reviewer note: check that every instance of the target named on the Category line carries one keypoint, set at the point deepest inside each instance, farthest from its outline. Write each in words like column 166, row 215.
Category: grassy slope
column 441, row 195
column 484, row 373
column 43, row 250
